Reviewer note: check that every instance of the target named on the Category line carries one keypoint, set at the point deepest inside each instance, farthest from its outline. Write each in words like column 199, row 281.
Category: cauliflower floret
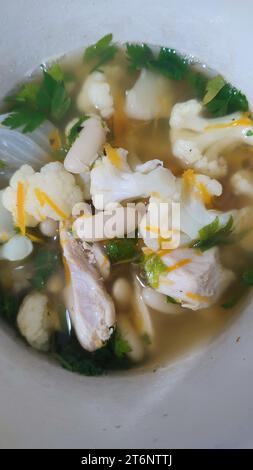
column 242, row 183
column 112, row 179
column 196, row 196
column 35, row 320
column 150, row 97
column 52, row 193
column 199, row 142
column 87, row 146
column 96, row 95
column 178, row 224
column 6, row 222
column 194, row 279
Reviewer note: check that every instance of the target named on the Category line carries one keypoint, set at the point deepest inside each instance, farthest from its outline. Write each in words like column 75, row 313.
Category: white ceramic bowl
column 202, row 400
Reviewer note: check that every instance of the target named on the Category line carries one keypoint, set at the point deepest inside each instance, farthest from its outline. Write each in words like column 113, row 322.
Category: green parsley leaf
column 249, row 133
column 146, row 339
column 171, row 64
column 101, row 52
column 214, row 85
column 112, row 356
column 219, row 97
column 46, row 262
column 197, row 82
column 52, row 97
column 213, row 234
column 74, row 131
column 9, row 305
column 235, row 298
column 139, row 56
column 3, row 165
column 27, row 119
column 171, row 300
column 60, row 102
column 121, row 346
column 227, row 100
column 240, row 288
column 168, row 62
column 36, row 102
column 153, row 267
column 122, row 250
column 26, row 96
column 248, row 276
column 56, row 72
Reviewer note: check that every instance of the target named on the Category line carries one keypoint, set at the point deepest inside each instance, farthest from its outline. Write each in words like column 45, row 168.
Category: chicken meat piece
column 90, row 307
column 194, row 279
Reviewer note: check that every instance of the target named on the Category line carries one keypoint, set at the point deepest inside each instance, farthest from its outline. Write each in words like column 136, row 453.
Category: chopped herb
column 3, row 165
column 139, row 56
column 121, row 346
column 9, row 306
column 36, row 102
column 249, row 133
column 101, row 52
column 146, row 339
column 241, row 288
column 219, row 97
column 235, row 298
column 171, row 300
column 46, row 262
column 247, row 276
column 171, row 64
column 122, row 250
column 197, row 82
column 153, row 267
column 52, row 97
column 168, row 62
column 213, row 234
column 214, row 85
column 228, row 100
column 76, row 129
column 26, row 96
column 112, row 356
column 56, row 72
column 28, row 119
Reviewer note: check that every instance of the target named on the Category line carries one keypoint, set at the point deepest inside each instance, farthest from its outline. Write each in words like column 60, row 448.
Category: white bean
column 48, row 227
column 102, row 225
column 158, row 302
column 142, row 313
column 128, row 333
column 122, row 292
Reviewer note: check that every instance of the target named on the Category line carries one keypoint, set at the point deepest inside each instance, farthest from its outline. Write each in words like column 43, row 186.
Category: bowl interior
column 193, row 402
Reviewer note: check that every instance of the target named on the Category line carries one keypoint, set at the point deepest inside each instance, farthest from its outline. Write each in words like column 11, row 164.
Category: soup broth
column 161, row 337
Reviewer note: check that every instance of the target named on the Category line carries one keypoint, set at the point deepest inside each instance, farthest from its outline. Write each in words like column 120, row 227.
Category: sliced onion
column 158, row 302
column 33, row 148
column 6, row 222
